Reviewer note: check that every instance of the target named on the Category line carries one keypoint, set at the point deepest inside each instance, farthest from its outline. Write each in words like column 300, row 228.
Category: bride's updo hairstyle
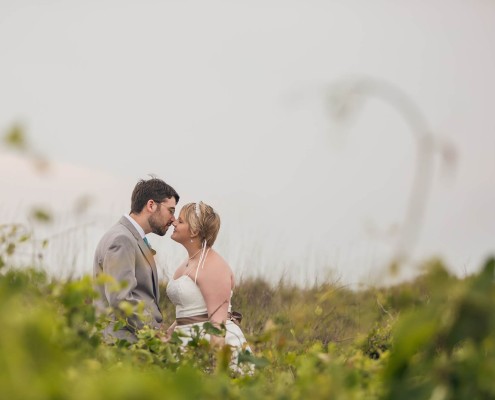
column 202, row 219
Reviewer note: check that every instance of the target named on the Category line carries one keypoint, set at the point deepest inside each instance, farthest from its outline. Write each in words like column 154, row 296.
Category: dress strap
column 202, row 259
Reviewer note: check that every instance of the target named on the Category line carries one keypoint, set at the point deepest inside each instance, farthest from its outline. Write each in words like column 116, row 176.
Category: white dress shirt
column 136, row 225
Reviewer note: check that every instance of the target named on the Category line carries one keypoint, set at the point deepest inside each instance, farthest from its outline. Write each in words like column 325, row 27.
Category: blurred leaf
column 41, row 215
column 10, row 249
column 24, row 238
column 248, row 357
column 127, row 308
column 213, row 330
column 15, row 138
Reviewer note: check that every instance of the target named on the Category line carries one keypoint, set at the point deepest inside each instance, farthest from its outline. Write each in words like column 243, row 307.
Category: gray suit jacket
column 123, row 255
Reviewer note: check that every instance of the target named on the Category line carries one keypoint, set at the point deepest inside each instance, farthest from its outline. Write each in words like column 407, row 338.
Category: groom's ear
column 149, row 205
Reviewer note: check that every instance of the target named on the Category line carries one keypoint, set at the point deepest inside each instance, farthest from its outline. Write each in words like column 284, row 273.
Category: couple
column 201, row 287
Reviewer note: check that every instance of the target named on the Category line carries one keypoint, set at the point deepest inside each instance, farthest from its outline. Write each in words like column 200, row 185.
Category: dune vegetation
column 431, row 338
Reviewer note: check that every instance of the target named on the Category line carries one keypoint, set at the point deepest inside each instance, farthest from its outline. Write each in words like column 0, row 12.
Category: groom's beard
column 156, row 227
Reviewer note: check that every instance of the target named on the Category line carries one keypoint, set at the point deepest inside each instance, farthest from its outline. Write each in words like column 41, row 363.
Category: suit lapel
column 146, row 252
column 151, row 261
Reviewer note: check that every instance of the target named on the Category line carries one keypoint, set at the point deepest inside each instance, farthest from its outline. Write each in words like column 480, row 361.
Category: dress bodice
column 188, row 300
column 187, row 297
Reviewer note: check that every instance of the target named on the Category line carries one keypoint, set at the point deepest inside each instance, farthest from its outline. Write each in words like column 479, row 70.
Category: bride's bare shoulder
column 216, row 260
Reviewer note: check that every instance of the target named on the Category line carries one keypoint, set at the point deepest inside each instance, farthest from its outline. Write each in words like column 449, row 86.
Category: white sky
column 225, row 101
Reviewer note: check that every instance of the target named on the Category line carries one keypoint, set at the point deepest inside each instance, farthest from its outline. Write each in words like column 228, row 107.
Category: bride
column 203, row 284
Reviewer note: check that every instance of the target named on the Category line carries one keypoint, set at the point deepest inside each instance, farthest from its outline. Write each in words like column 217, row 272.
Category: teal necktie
column 149, row 245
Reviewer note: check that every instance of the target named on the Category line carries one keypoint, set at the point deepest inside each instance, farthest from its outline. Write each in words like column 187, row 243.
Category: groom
column 126, row 258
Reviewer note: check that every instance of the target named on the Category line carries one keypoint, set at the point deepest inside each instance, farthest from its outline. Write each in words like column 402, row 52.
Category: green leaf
column 10, row 249
column 41, row 215
column 248, row 357
column 213, row 330
column 15, row 138
column 24, row 238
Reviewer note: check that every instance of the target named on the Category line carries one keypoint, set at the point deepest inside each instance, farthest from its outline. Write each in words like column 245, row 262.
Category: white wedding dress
column 189, row 302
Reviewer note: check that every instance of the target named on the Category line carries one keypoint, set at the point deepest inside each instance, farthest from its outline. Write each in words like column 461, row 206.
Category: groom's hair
column 151, row 189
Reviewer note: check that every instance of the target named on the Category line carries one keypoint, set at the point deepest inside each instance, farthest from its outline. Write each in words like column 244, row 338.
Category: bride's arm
column 168, row 332
column 171, row 328
column 215, row 286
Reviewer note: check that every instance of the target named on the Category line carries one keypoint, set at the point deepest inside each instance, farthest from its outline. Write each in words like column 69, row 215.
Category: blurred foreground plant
column 435, row 340
column 446, row 348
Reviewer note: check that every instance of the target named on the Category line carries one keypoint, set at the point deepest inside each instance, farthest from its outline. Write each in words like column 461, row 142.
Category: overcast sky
column 226, row 101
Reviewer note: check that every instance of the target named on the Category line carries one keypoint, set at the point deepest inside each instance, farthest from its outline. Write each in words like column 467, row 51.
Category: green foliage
column 377, row 342
column 431, row 338
column 11, row 237
column 447, row 348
